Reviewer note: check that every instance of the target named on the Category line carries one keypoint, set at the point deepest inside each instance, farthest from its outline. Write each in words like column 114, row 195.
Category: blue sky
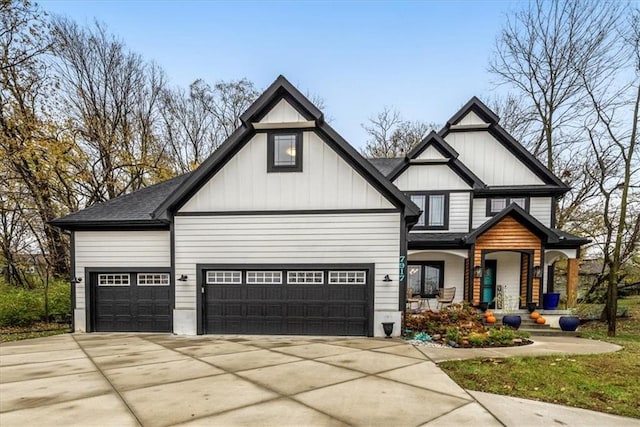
column 425, row 58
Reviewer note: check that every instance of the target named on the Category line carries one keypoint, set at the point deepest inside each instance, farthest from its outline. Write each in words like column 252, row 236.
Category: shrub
column 501, row 336
column 20, row 307
column 478, row 340
column 453, row 334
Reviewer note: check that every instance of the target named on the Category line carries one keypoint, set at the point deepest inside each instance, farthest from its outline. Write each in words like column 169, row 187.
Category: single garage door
column 312, row 301
column 131, row 302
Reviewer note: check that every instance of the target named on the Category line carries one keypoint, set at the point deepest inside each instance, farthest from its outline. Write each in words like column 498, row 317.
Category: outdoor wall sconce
column 386, row 278
column 477, row 271
column 183, row 278
column 76, row 280
column 537, row 272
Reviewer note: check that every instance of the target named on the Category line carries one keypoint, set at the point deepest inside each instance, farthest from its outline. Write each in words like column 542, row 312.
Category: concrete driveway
column 160, row 380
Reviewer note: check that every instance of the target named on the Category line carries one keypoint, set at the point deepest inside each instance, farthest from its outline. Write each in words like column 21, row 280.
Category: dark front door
column 131, row 302
column 489, row 281
column 287, row 302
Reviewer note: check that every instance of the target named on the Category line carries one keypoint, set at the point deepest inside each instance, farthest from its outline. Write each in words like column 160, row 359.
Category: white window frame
column 253, row 277
column 348, row 277
column 114, row 279
column 229, row 277
column 299, row 277
column 153, row 279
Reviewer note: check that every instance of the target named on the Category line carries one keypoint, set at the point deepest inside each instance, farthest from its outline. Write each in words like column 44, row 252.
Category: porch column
column 572, row 282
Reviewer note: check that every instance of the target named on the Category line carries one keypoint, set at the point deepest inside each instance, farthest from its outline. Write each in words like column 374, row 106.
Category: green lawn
column 605, row 382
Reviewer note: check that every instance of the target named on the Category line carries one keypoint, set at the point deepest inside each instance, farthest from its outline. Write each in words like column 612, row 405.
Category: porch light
column 477, row 271
column 537, row 272
column 76, row 280
column 183, row 278
column 386, row 278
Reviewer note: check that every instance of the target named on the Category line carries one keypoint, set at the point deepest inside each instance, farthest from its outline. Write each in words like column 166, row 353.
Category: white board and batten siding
column 491, row 161
column 539, row 207
column 431, row 153
column 471, row 119
column 430, row 178
column 116, row 249
column 360, row 238
column 283, row 112
column 327, row 181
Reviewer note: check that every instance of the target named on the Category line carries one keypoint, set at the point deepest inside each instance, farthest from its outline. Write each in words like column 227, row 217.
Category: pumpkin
column 491, row 319
column 487, row 314
column 535, row 315
column 541, row 320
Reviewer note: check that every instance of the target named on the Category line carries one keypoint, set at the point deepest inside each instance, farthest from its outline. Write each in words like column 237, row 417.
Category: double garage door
column 309, row 301
column 131, row 301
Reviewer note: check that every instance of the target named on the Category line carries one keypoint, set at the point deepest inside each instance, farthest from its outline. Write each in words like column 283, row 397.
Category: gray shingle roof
column 133, row 208
column 386, row 165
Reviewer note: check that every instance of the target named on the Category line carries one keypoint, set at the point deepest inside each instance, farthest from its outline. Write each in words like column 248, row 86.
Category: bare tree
column 110, row 97
column 570, row 62
column 189, row 130
column 540, row 54
column 613, row 134
column 391, row 136
column 227, row 102
column 197, row 122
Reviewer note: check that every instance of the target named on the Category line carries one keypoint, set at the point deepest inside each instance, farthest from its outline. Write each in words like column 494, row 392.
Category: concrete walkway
column 162, row 380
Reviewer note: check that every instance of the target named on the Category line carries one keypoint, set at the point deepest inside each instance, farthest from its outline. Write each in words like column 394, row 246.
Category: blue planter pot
column 569, row 323
column 512, row 320
column 550, row 301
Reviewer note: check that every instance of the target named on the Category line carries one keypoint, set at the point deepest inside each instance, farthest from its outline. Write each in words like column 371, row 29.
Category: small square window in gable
column 284, row 152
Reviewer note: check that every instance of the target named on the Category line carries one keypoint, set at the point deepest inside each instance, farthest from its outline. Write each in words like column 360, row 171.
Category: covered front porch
column 505, row 263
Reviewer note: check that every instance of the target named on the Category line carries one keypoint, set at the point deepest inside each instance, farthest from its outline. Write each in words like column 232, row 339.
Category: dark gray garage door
column 131, row 302
column 312, row 301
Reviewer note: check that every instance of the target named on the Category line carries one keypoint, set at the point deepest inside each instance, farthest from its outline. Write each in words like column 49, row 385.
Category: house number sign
column 403, row 267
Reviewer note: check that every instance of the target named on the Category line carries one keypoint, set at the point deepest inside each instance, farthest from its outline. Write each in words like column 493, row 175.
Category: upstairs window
column 497, row 204
column 435, row 211
column 284, row 152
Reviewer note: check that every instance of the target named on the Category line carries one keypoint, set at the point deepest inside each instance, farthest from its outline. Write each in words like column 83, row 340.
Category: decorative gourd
column 488, row 314
column 541, row 320
column 535, row 315
column 491, row 319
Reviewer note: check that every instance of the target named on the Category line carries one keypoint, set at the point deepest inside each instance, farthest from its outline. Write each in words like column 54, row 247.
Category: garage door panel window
column 264, row 277
column 347, row 277
column 115, row 279
column 224, row 277
column 297, row 277
column 153, row 279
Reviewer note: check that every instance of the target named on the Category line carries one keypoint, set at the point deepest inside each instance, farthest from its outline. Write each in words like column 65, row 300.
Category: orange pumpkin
column 541, row 320
column 535, row 315
column 491, row 319
column 488, row 314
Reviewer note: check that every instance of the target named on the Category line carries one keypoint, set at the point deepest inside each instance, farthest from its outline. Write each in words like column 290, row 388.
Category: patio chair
column 445, row 297
column 411, row 300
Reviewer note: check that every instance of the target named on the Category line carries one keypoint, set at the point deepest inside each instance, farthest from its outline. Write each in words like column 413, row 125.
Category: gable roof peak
column 279, row 89
column 479, row 108
column 438, row 142
column 523, row 217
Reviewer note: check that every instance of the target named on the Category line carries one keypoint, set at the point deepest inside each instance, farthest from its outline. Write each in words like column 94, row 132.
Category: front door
column 489, row 281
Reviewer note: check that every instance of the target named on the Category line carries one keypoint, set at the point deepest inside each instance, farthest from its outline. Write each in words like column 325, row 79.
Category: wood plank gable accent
column 508, row 235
